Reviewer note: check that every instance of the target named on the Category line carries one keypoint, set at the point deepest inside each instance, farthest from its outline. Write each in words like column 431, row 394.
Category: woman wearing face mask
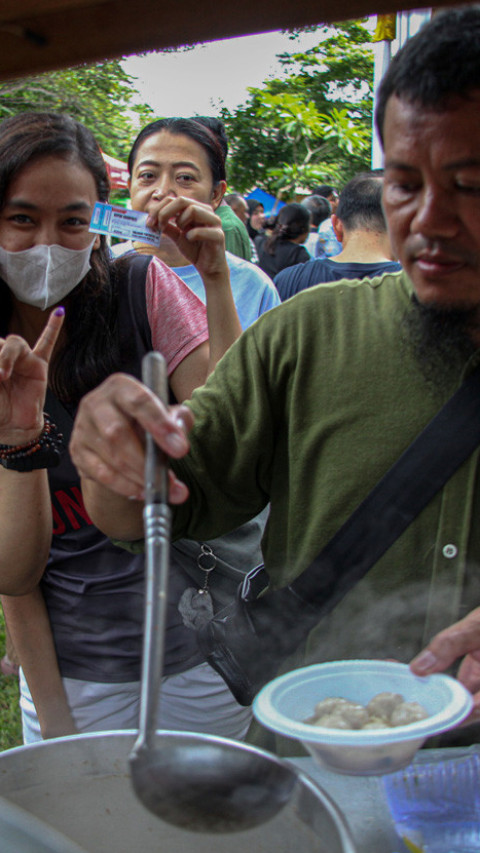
column 85, row 677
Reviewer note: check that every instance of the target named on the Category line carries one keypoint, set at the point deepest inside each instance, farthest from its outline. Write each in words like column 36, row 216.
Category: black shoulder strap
column 445, row 443
column 135, row 338
column 247, row 642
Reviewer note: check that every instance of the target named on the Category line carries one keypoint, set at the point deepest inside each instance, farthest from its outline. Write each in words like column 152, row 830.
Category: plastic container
column 435, row 806
column 284, row 703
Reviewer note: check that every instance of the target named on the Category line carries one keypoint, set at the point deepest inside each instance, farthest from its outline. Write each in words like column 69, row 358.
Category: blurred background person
column 320, row 209
column 239, row 206
column 361, row 229
column 255, row 223
column 256, row 218
column 327, row 245
column 237, row 240
column 283, row 247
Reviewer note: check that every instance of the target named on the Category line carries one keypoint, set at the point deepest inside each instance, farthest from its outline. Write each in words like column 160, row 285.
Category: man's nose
column 435, row 215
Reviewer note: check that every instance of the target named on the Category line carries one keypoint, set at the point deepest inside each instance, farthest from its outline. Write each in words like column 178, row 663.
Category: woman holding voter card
column 186, row 157
column 69, row 318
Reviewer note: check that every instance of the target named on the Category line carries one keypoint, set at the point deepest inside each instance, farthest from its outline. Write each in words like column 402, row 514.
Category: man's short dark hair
column 231, row 198
column 319, row 207
column 325, row 190
column 440, row 62
column 360, row 204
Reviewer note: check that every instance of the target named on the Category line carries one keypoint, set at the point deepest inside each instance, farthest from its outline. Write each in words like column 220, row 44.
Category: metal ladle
column 198, row 782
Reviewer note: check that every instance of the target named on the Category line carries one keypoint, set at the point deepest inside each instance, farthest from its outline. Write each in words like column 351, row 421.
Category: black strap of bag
column 247, row 641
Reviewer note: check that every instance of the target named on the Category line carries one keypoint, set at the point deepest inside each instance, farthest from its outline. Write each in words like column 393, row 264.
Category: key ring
column 206, row 562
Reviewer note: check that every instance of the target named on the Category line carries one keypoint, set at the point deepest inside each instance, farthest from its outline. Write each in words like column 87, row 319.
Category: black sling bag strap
column 407, row 487
column 247, row 641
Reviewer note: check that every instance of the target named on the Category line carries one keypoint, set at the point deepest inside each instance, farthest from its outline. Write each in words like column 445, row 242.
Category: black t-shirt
column 321, row 270
column 94, row 591
column 285, row 254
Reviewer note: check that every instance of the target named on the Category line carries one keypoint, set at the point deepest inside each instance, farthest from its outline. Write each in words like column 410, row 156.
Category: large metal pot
column 81, row 786
column 21, row 832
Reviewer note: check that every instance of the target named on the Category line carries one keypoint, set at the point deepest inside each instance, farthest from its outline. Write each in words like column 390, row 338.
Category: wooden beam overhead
column 42, row 35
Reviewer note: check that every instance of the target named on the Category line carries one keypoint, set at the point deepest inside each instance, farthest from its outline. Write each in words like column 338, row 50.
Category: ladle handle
column 154, row 376
column 157, row 526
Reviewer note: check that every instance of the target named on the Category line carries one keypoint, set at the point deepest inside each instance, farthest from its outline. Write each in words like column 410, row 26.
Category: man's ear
column 337, row 225
column 219, row 191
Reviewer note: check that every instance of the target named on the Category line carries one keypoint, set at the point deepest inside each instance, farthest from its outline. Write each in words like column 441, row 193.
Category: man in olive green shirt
column 313, row 404
column 237, row 240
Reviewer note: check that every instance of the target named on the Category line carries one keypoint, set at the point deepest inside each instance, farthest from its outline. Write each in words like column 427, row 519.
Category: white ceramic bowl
column 286, row 701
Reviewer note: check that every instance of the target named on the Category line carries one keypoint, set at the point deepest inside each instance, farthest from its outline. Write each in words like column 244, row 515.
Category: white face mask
column 43, row 275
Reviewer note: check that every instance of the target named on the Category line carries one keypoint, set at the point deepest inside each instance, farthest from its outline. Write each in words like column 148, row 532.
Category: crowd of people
column 304, row 355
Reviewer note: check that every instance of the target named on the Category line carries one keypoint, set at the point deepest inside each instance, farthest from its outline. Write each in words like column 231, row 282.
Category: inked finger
column 47, row 340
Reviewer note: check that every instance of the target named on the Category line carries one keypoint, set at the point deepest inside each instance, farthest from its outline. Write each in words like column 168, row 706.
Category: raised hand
column 23, row 382
column 107, row 439
column 196, row 230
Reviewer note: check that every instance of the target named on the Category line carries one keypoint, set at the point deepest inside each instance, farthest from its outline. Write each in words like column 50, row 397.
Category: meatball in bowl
column 361, row 717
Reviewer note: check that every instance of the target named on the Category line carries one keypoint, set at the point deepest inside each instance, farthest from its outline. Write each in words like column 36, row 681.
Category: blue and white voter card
column 119, row 222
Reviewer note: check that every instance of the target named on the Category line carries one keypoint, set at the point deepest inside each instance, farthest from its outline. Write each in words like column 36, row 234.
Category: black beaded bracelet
column 45, row 451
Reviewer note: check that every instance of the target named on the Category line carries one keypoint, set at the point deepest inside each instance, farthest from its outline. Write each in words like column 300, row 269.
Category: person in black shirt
column 283, row 247
column 359, row 224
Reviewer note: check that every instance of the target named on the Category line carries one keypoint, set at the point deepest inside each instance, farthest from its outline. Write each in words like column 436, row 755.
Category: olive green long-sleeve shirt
column 308, row 410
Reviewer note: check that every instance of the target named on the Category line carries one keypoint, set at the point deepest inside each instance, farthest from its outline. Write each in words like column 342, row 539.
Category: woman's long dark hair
column 292, row 221
column 91, row 349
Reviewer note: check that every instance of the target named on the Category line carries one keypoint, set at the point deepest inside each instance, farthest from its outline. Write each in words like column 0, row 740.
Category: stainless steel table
column 362, row 801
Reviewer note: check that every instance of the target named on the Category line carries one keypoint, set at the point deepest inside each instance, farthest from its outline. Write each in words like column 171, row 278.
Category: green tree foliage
column 102, row 96
column 311, row 126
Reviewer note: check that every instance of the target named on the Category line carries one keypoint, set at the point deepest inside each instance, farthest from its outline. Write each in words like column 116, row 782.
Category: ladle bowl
column 210, row 784
column 196, row 781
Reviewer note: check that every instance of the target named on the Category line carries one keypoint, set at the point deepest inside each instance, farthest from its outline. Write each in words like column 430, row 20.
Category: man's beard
column 442, row 340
